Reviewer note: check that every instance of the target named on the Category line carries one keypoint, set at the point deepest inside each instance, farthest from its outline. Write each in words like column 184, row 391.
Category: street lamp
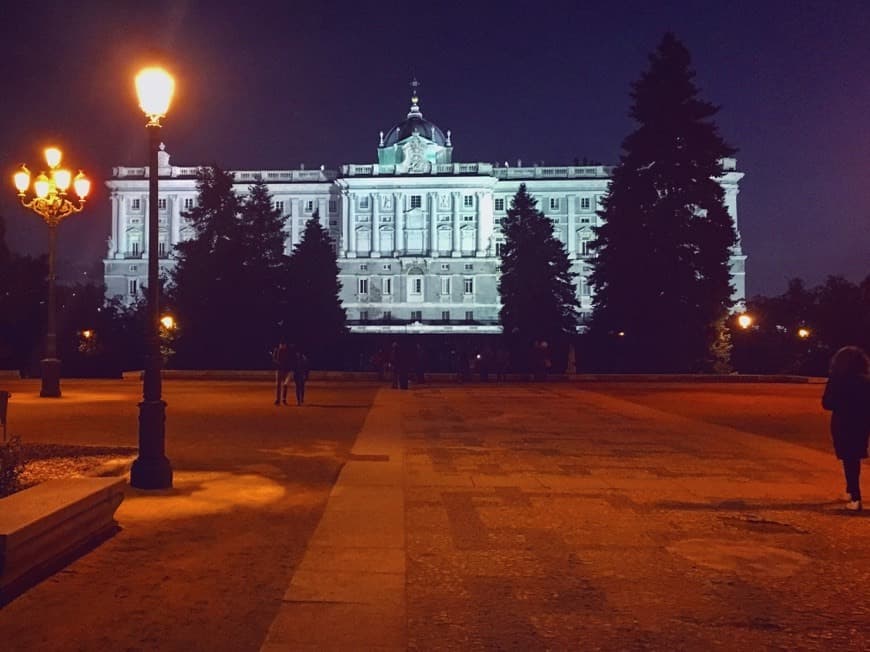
column 152, row 470
column 803, row 332
column 51, row 203
column 745, row 321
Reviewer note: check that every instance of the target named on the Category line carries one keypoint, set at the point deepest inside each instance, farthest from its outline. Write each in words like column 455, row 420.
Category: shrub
column 11, row 466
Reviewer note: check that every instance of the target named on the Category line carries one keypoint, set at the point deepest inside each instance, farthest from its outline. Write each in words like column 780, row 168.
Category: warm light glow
column 803, row 333
column 154, row 86
column 41, row 186
column 22, row 179
column 621, row 333
column 82, row 185
column 744, row 320
column 52, row 156
column 168, row 322
column 87, row 334
column 62, row 179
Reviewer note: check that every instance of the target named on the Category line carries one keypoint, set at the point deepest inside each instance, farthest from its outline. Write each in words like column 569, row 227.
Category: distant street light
column 50, row 202
column 152, row 470
column 168, row 322
column 803, row 332
column 744, row 321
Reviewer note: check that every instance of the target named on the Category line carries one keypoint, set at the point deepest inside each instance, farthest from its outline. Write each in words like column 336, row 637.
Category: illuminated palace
column 417, row 234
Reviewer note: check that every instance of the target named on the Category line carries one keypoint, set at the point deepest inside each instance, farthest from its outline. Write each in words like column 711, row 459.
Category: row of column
column 120, row 245
column 484, row 224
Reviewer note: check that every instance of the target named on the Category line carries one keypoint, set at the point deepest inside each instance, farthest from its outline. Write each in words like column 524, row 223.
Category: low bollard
column 4, row 403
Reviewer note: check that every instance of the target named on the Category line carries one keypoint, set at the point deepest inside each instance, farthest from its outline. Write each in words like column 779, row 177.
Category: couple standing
column 287, row 360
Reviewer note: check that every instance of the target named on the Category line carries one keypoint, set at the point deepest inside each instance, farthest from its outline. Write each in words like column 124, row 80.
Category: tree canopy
column 536, row 284
column 316, row 318
column 228, row 287
column 661, row 271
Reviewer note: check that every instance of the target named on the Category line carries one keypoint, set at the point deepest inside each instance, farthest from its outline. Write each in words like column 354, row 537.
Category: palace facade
column 417, row 234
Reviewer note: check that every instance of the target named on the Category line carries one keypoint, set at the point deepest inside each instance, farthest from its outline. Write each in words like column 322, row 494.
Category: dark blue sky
column 276, row 84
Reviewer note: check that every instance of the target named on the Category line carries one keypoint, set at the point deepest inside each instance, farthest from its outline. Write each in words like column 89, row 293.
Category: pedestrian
column 281, row 362
column 300, row 375
column 847, row 396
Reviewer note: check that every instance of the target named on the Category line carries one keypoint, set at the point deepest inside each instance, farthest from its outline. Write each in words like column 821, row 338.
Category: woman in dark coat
column 847, row 395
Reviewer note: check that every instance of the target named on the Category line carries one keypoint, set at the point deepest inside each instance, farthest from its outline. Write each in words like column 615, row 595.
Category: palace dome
column 413, row 124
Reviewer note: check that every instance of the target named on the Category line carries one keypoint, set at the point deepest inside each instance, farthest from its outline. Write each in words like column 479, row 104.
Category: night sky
column 274, row 84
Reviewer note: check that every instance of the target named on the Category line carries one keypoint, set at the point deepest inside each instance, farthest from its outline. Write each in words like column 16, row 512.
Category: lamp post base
column 151, row 470
column 50, row 372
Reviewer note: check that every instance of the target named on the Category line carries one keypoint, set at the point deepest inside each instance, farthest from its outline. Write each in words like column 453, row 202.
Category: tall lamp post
column 51, row 203
column 152, row 470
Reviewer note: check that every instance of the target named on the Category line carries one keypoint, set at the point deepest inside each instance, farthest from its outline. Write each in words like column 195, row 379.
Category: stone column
column 572, row 228
column 433, row 224
column 352, row 219
column 117, row 250
column 146, row 241
column 375, row 241
column 484, row 221
column 399, row 233
column 295, row 214
column 345, row 222
column 457, row 245
column 174, row 221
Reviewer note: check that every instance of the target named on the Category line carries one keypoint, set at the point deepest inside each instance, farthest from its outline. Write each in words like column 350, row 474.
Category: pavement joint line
column 374, row 473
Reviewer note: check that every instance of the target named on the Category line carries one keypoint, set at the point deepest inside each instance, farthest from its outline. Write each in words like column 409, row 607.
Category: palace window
column 333, row 206
column 469, row 315
column 388, row 267
column 499, row 249
column 134, row 268
column 161, row 249
column 469, row 267
column 499, row 204
column 363, row 315
column 364, row 267
column 134, row 247
column 388, row 286
column 363, row 202
column 309, row 205
column 417, row 286
column 363, row 286
column 161, row 204
column 416, row 201
column 416, row 315
column 445, row 315
column 445, row 267
column 554, row 203
column 468, row 201
column 468, row 285
column 585, row 203
column 388, row 316
column 585, row 247
column 188, row 203
column 134, row 286
column 445, row 285
column 468, row 218
column 279, row 206
column 136, row 204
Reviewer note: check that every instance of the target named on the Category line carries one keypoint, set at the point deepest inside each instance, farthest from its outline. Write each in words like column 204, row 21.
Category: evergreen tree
column 661, row 268
column 23, row 291
column 229, row 278
column 317, row 319
column 536, row 285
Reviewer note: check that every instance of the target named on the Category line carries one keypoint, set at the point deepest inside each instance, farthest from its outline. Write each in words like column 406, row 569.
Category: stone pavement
column 553, row 517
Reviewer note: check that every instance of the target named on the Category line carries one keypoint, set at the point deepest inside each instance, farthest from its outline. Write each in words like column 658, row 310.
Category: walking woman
column 847, row 396
column 300, row 375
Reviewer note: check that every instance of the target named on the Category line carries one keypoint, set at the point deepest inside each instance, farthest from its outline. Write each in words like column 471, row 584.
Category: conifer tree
column 317, row 319
column 536, row 285
column 229, row 280
column 661, row 268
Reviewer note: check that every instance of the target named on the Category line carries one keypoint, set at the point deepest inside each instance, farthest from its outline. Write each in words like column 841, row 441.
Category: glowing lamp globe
column 42, row 186
column 82, row 185
column 52, row 156
column 745, row 321
column 22, row 179
column 62, row 179
column 154, row 86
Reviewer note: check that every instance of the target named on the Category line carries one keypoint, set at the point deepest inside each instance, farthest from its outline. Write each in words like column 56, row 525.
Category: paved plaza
column 562, row 516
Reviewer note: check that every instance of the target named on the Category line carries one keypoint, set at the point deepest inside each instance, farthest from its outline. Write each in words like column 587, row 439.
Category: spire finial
column 415, row 99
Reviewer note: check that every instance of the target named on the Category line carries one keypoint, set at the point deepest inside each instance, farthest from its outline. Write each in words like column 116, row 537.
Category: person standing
column 281, row 362
column 847, row 396
column 300, row 375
